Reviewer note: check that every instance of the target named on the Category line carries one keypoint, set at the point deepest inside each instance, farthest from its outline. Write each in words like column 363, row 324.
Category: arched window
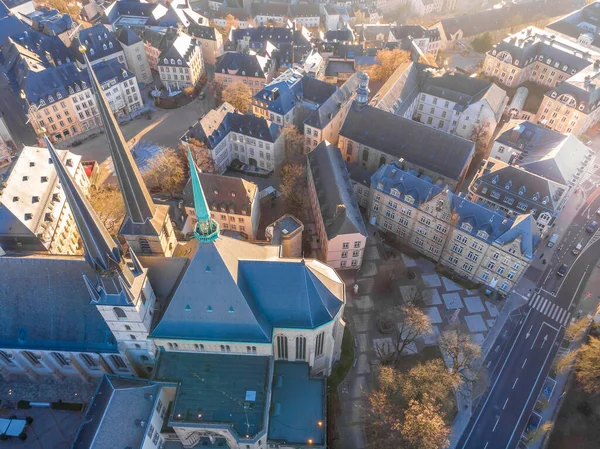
column 365, row 156
column 175, row 345
column 119, row 313
column 568, row 100
column 170, row 345
column 92, row 51
column 282, row 347
column 104, row 47
column 505, row 56
column 300, row 348
column 145, row 246
column 320, row 343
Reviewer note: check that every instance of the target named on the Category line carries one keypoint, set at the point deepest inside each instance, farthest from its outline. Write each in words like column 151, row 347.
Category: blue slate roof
column 248, row 125
column 223, row 298
column 280, row 97
column 43, row 45
column 497, row 226
column 45, row 305
column 289, row 294
column 50, row 21
column 4, row 11
column 298, row 405
column 99, row 41
column 9, row 26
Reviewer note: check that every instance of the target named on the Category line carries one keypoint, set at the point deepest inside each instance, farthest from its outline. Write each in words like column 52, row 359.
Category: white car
column 598, row 212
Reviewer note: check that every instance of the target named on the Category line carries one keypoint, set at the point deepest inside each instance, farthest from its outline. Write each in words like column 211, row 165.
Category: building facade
column 181, row 65
column 135, row 55
column 252, row 70
column 474, row 242
column 341, row 231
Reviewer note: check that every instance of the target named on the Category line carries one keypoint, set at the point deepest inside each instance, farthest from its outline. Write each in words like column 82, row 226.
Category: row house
column 572, row 107
column 181, row 65
column 101, row 45
column 34, row 214
column 157, row 41
column 537, row 56
column 476, row 243
column 229, row 135
column 341, row 231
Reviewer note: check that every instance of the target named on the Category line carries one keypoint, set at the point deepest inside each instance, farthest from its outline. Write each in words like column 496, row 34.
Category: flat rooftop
column 298, row 405
column 226, row 389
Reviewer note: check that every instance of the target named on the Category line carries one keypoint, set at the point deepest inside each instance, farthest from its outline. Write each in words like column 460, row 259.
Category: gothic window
column 300, row 348
column 319, row 344
column 282, row 347
column 382, row 161
column 365, row 156
column 119, row 313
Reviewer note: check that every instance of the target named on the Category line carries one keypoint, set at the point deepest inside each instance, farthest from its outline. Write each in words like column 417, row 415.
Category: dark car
column 562, row 270
column 592, row 227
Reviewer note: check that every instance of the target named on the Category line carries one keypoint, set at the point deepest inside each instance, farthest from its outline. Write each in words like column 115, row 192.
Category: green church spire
column 207, row 230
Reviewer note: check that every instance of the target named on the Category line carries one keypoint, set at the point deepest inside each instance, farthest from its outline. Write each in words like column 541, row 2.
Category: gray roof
column 99, row 41
column 305, row 10
column 416, row 32
column 335, row 195
column 239, row 63
column 400, row 90
column 127, row 37
column 244, row 299
column 119, row 414
column 269, row 9
column 323, row 115
column 182, row 49
column 66, row 322
column 583, row 87
column 234, row 194
column 446, row 154
column 334, row 68
column 203, row 32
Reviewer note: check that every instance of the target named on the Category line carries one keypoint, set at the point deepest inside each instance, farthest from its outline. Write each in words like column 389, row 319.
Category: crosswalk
column 551, row 310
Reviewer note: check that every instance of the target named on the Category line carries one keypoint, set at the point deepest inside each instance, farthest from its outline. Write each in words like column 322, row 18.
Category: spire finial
column 102, row 253
column 207, row 230
column 138, row 203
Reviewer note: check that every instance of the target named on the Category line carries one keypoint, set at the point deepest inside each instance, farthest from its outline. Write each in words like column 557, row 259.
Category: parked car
column 598, row 211
column 592, row 227
column 552, row 240
column 562, row 270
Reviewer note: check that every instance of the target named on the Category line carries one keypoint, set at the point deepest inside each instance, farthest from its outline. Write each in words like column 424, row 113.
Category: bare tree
column 201, row 155
column 239, row 96
column 462, row 352
column 481, row 136
column 424, row 426
column 294, row 145
column 292, row 188
column 576, row 329
column 108, row 204
column 587, row 371
column 407, row 323
column 166, row 173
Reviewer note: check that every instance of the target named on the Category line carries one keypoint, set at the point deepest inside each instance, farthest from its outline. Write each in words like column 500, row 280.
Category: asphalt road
column 518, row 377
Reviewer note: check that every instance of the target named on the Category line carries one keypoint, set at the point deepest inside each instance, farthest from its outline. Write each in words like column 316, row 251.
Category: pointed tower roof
column 101, row 251
column 138, row 203
column 207, row 230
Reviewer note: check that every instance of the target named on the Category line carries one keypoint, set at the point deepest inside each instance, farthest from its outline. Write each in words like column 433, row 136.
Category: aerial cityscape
column 294, row 224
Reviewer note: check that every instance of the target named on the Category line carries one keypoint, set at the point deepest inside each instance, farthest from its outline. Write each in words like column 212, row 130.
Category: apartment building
column 341, row 231
column 34, row 214
column 135, row 55
column 426, row 7
column 308, row 15
column 537, row 56
column 572, row 106
column 292, row 91
column 428, row 41
column 233, row 204
column 229, row 135
column 580, row 26
column 468, row 239
column 181, row 65
column 253, row 70
column 211, row 41
column 101, row 46
column 269, row 13
column 458, row 104
column 157, row 41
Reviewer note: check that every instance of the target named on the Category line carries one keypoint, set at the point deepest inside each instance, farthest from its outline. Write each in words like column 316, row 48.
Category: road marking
column 524, row 364
column 528, row 332
column 486, row 445
column 578, row 285
column 544, row 340
column 561, row 315
column 531, row 392
column 496, row 348
column 554, row 311
column 546, row 302
column 495, row 382
column 496, row 424
column 516, row 380
column 505, row 402
column 488, row 364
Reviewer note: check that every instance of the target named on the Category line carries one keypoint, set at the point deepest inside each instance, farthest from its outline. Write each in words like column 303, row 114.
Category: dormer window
column 545, row 200
column 25, row 178
column 536, row 196
column 58, row 95
column 15, row 199
column 508, row 185
column 172, row 61
column 553, row 94
column 395, row 192
column 110, row 45
column 83, row 84
column 409, row 199
column 495, row 179
column 522, row 190
column 92, row 51
column 105, row 36
column 483, row 235
column 179, row 62
column 166, row 61
column 466, row 227
column 244, row 72
column 104, row 47
column 233, row 194
column 50, row 98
